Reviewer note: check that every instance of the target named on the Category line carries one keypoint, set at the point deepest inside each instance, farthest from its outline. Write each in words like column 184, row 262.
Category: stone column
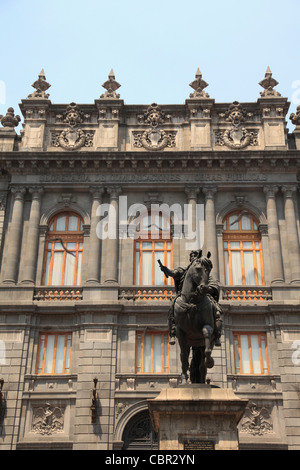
column 273, row 235
column 111, row 245
column 93, row 268
column 31, row 246
column 292, row 233
column 12, row 253
column 210, row 242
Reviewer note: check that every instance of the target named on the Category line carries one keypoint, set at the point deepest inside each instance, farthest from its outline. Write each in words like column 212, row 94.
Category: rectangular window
column 63, row 264
column 54, row 353
column 147, row 270
column 152, row 353
column 243, row 263
column 250, row 353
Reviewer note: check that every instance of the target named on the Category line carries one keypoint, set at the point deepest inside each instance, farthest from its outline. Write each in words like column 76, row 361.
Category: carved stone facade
column 79, row 160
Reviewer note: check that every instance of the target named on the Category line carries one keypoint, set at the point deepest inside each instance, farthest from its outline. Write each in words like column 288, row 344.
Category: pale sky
column 153, row 47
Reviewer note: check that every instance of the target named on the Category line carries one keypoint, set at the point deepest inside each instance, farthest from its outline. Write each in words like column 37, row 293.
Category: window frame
column 139, row 368
column 162, row 235
column 240, row 236
column 40, row 370
column 236, row 336
column 67, row 236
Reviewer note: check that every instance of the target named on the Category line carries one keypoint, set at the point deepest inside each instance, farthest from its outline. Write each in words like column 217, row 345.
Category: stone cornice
column 284, row 161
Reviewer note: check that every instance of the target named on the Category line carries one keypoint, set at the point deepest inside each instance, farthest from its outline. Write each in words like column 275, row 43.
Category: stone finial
column 198, row 85
column 295, row 118
column 268, row 83
column 111, row 85
column 41, row 85
column 10, row 120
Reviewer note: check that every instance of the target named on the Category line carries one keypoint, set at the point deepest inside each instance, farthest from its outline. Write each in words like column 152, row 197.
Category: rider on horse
column 213, row 293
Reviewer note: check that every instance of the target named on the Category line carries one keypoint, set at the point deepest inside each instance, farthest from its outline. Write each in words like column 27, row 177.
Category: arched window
column 153, row 244
column 63, row 251
column 139, row 433
column 242, row 250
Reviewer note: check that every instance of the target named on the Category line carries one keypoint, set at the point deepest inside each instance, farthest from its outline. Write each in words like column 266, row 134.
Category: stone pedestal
column 197, row 417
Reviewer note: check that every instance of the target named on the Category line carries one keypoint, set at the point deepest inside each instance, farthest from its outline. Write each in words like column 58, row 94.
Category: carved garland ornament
column 236, row 137
column 71, row 138
column 155, row 138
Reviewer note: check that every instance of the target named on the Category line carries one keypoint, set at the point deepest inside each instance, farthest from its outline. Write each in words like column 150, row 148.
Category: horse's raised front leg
column 207, row 331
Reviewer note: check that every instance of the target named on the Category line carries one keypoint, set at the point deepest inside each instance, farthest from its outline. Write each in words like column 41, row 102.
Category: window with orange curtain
column 154, row 242
column 54, row 353
column 242, row 250
column 250, row 353
column 152, row 352
column 63, row 251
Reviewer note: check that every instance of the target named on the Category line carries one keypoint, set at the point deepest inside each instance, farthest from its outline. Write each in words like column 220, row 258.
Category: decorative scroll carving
column 47, row 420
column 256, row 421
column 237, row 137
column 249, row 137
column 72, row 138
column 155, row 138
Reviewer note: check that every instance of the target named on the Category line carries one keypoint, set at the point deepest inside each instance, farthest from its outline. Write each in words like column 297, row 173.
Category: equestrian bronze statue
column 195, row 316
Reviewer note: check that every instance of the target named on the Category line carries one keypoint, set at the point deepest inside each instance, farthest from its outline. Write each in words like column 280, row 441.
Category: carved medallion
column 72, row 138
column 237, row 137
column 154, row 138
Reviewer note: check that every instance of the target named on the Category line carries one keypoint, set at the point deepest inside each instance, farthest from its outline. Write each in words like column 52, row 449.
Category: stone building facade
column 84, row 197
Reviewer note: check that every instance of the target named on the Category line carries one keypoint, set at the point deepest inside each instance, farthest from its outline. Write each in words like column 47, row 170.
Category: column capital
column 114, row 191
column 209, row 191
column 36, row 191
column 192, row 191
column 289, row 190
column 96, row 191
column 18, row 192
column 271, row 190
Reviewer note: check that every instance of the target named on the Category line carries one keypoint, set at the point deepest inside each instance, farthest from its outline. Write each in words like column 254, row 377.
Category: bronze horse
column 195, row 321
